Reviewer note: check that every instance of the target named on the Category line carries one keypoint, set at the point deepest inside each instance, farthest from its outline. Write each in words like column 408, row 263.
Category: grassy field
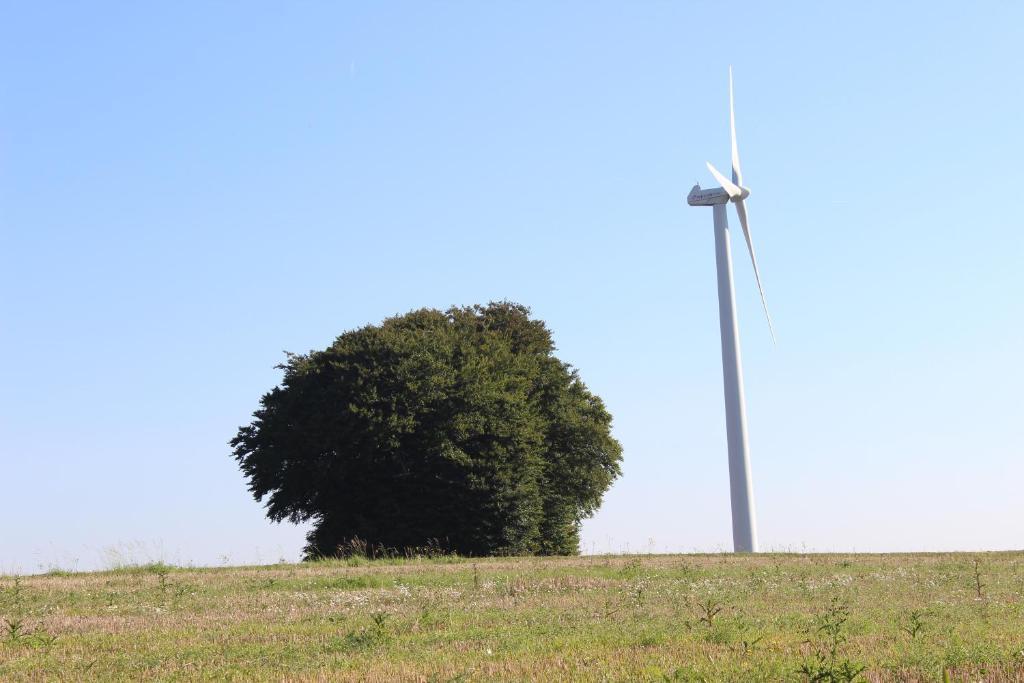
column 620, row 618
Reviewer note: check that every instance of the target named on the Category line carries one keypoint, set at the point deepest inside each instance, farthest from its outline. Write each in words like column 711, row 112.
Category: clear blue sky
column 188, row 190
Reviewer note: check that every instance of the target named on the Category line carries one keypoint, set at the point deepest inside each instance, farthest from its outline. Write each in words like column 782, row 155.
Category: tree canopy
column 458, row 429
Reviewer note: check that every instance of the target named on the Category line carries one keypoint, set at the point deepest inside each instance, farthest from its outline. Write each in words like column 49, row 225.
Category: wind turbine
column 741, row 488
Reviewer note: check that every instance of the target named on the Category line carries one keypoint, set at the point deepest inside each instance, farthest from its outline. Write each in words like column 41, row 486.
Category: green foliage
column 915, row 623
column 709, row 610
column 979, row 587
column 457, row 430
column 15, row 629
column 368, row 637
column 828, row 665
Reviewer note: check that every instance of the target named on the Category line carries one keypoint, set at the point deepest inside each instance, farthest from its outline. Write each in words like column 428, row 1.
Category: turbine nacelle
column 707, row 197
column 714, row 195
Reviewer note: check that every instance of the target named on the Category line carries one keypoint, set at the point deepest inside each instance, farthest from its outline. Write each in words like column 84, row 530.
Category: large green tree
column 459, row 429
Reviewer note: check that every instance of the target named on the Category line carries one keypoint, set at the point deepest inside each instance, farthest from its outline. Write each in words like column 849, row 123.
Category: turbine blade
column 741, row 209
column 737, row 174
column 726, row 185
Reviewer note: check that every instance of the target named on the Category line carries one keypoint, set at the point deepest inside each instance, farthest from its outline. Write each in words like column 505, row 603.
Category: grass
column 763, row 617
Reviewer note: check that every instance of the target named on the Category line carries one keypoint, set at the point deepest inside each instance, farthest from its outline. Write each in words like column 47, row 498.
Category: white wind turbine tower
column 744, row 527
